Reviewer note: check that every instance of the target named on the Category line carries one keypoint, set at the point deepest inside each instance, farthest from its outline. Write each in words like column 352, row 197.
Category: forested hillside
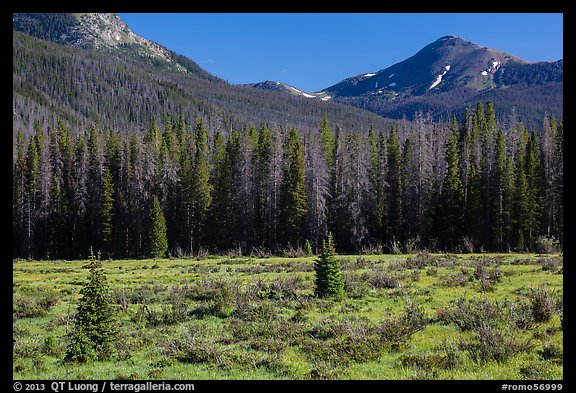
column 117, row 88
column 464, row 185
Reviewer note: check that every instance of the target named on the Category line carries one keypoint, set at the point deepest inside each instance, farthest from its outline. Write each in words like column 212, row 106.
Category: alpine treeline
column 463, row 185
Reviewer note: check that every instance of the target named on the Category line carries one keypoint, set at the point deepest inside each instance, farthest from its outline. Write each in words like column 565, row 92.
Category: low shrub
column 33, row 307
column 380, row 279
column 547, row 245
column 454, row 280
column 520, row 314
column 420, row 261
column 536, row 371
column 552, row 264
column 471, row 314
column 497, row 345
column 542, row 304
column 425, row 361
column 396, row 332
column 354, row 286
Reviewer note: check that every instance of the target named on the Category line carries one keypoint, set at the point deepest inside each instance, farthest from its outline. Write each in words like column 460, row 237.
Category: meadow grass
column 419, row 316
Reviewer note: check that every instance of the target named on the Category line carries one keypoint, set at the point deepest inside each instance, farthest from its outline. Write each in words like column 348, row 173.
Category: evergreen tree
column 220, row 208
column 329, row 281
column 95, row 329
column 327, row 139
column 393, row 195
column 200, row 188
column 294, row 201
column 452, row 196
column 409, row 202
column 534, row 181
column 508, row 203
column 472, row 212
column 499, row 208
column 521, row 200
column 107, row 212
column 262, row 157
column 57, row 220
column 157, row 241
column 376, row 183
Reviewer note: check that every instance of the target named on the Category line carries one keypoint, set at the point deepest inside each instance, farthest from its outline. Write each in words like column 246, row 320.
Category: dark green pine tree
column 521, row 199
column 329, row 280
column 498, row 232
column 157, row 241
column 328, row 140
column 200, row 190
column 483, row 174
column 107, row 212
column 95, row 329
column 408, row 198
column 57, row 218
column 393, row 194
column 263, row 157
column 183, row 213
column 221, row 206
column 452, row 196
column 534, row 180
column 376, row 184
column 294, row 199
column 472, row 211
column 508, row 203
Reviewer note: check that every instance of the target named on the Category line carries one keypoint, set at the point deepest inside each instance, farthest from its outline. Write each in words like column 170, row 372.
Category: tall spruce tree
column 393, row 193
column 521, row 199
column 294, row 201
column 200, row 189
column 107, row 212
column 452, row 196
column 498, row 213
column 220, row 208
column 534, row 180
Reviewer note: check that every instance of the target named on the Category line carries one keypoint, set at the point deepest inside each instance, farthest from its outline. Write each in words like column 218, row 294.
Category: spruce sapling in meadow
column 329, row 279
column 308, row 248
column 94, row 322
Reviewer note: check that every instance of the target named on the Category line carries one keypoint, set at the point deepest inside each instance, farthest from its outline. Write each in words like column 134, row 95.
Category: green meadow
column 420, row 316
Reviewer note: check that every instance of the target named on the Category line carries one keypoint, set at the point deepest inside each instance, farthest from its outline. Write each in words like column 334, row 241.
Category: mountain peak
column 448, row 37
column 446, row 71
column 93, row 30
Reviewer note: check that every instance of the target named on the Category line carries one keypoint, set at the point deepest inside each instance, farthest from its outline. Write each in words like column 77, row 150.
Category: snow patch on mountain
column 439, row 78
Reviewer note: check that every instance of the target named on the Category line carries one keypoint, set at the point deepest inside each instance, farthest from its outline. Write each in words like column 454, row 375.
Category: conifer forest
column 181, row 188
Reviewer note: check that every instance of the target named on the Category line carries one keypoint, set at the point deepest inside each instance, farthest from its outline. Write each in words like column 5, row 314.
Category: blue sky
column 315, row 51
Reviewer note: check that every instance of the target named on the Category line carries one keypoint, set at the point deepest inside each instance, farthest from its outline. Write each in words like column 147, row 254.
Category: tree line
column 465, row 185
